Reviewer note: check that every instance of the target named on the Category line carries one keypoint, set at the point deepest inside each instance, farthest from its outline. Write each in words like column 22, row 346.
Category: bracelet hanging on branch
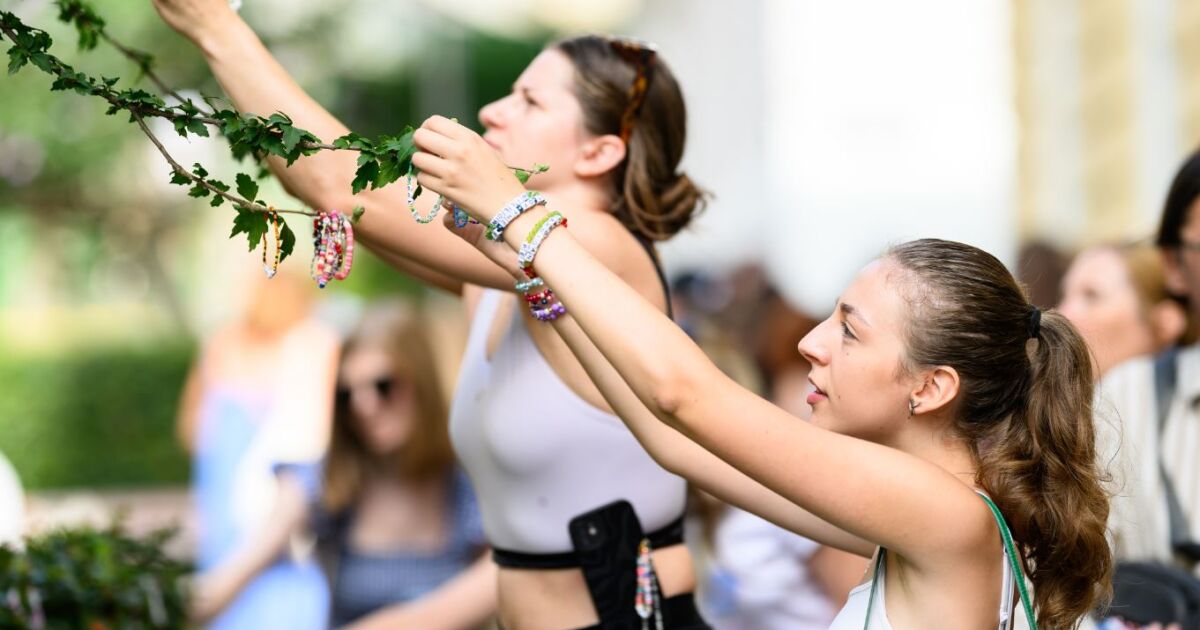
column 381, row 162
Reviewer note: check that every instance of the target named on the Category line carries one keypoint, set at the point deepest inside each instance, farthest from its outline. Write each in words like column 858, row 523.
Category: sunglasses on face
column 383, row 386
column 641, row 56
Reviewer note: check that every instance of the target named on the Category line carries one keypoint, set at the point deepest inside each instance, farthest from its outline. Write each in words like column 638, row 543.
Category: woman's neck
column 576, row 196
column 942, row 448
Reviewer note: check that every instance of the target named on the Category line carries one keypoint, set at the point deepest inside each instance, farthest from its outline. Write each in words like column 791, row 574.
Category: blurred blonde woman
column 398, row 532
column 1116, row 295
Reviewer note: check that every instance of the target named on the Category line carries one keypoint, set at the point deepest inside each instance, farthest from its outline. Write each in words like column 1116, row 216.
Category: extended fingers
column 434, row 142
column 446, row 127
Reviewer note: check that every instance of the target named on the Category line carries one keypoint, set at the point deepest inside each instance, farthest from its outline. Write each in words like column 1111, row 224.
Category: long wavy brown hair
column 400, row 332
column 1025, row 406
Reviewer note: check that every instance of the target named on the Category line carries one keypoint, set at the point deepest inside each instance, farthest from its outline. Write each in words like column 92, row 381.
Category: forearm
column 256, row 83
column 268, row 543
column 466, row 601
column 677, row 453
column 655, row 357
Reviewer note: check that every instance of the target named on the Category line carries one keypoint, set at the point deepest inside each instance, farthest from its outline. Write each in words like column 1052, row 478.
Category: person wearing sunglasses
column 397, row 527
column 541, row 445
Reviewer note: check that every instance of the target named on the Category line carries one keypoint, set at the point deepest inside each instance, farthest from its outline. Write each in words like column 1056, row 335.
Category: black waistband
column 668, row 536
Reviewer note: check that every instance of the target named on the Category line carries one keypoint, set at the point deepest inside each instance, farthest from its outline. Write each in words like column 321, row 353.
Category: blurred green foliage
column 105, row 416
column 92, row 579
column 98, row 417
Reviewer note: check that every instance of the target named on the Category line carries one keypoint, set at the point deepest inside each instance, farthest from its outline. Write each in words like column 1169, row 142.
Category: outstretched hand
column 194, row 18
column 457, row 163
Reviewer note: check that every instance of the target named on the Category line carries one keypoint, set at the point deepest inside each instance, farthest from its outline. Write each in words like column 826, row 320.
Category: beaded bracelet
column 541, row 297
column 333, row 248
column 322, row 237
column 525, row 285
column 550, row 313
column 533, row 242
column 412, row 201
column 271, row 270
column 511, row 211
column 347, row 254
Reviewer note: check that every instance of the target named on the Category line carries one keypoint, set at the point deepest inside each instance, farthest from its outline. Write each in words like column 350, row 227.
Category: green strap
column 1011, row 551
column 879, row 560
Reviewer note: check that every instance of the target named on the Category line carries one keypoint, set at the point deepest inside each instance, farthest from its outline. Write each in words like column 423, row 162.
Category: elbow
column 672, row 392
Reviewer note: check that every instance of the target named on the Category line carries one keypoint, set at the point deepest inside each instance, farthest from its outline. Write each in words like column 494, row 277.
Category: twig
column 238, row 201
column 142, row 64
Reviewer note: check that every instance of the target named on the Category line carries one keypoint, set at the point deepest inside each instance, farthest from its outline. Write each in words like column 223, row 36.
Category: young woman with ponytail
column 939, row 390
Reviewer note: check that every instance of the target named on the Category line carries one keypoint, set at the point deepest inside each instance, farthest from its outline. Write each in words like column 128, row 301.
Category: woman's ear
column 1168, row 322
column 938, row 389
column 600, row 155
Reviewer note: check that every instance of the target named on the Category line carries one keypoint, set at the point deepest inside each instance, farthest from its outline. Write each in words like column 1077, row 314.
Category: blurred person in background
column 763, row 576
column 1156, row 401
column 397, row 528
column 1040, row 268
column 541, row 445
column 1116, row 295
column 259, row 395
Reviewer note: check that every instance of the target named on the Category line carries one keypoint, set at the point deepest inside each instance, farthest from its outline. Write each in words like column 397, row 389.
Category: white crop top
column 538, row 454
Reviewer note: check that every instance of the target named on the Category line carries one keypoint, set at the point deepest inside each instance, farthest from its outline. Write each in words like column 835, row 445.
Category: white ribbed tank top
column 538, row 454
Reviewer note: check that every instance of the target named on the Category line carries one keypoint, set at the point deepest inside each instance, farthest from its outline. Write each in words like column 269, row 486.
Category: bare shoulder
column 617, row 248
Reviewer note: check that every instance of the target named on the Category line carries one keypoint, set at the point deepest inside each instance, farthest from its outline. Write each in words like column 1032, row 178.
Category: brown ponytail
column 649, row 195
column 1025, row 405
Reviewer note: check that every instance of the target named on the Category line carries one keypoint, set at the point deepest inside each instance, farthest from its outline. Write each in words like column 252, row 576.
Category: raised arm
column 257, row 83
column 677, row 453
column 671, row 449
column 877, row 493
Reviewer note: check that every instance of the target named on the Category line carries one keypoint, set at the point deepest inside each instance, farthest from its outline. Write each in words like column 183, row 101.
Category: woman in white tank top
column 936, row 381
column 608, row 118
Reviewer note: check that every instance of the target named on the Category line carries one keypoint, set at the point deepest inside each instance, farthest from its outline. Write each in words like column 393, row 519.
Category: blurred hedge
column 95, row 417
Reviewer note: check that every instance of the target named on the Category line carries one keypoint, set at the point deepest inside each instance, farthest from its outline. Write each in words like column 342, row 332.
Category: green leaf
column 252, row 224
column 291, row 137
column 179, row 178
column 217, row 200
column 197, row 127
column 522, row 175
column 199, row 191
column 219, row 185
column 358, row 212
column 279, row 117
column 287, row 240
column 199, row 171
column 246, row 186
column 16, row 59
column 368, row 170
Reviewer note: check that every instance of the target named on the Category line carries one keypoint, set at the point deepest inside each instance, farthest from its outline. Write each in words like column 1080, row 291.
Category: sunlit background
column 824, row 130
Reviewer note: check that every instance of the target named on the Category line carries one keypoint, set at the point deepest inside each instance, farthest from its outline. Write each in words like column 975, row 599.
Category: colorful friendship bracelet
column 347, row 253
column 533, row 242
column 511, row 211
column 333, row 248
column 525, row 285
column 274, row 219
column 550, row 313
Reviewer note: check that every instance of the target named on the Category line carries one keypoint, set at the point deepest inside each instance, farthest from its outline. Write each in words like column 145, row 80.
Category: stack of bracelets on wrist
column 333, row 247
column 542, row 304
